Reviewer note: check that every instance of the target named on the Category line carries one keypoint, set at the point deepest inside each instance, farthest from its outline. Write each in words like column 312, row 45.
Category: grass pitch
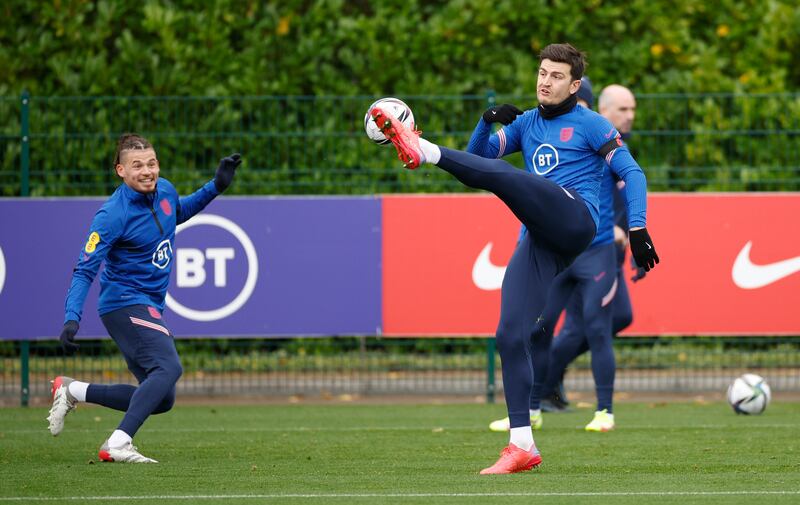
column 364, row 454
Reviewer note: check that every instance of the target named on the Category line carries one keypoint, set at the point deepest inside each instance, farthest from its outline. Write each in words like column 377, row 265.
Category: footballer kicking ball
column 393, row 106
column 749, row 394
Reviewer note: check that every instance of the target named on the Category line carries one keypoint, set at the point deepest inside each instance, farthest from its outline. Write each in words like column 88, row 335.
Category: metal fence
column 316, row 145
column 353, row 367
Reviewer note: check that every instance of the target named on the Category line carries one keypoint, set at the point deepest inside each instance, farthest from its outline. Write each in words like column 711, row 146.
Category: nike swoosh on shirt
column 748, row 275
column 485, row 274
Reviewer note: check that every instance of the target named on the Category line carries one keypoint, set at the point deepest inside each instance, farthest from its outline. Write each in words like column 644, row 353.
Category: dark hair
column 130, row 142
column 566, row 53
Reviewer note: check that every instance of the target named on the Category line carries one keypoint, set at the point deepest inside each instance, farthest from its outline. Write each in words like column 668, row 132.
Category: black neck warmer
column 551, row 111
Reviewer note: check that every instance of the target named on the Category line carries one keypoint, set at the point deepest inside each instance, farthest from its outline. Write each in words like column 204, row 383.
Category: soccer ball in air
column 749, row 394
column 393, row 106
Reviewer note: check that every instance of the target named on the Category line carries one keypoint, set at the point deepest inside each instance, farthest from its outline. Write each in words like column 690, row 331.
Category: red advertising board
column 730, row 265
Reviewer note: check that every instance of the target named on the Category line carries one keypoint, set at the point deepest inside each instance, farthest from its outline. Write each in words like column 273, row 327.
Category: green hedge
column 408, row 47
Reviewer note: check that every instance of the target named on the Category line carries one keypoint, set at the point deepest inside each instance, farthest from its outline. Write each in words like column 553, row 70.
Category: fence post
column 491, row 100
column 25, row 137
column 490, row 386
column 25, row 392
column 24, row 161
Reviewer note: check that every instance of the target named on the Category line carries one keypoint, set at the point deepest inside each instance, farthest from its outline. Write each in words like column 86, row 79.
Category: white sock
column 118, row 439
column 78, row 390
column 522, row 437
column 430, row 151
column 536, row 412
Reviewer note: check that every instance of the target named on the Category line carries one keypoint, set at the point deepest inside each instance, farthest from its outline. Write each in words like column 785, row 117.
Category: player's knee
column 172, row 371
column 166, row 404
column 621, row 321
column 177, row 370
column 508, row 344
column 598, row 336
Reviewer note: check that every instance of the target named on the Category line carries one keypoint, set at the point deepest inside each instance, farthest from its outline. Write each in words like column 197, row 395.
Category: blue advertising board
column 250, row 266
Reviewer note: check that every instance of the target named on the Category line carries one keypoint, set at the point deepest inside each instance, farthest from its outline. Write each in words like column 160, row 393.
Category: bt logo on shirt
column 162, row 255
column 544, row 159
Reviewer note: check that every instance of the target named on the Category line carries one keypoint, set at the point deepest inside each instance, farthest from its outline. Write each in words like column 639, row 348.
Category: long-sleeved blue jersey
column 572, row 150
column 134, row 233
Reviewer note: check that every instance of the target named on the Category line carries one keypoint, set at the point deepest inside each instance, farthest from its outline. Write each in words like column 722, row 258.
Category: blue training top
column 572, row 150
column 134, row 233
column 605, row 228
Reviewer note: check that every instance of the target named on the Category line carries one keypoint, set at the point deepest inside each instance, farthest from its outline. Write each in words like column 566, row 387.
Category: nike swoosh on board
column 486, row 275
column 748, row 275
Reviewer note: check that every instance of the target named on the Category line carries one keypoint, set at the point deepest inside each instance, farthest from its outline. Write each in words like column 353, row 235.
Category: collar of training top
column 132, row 194
column 551, row 111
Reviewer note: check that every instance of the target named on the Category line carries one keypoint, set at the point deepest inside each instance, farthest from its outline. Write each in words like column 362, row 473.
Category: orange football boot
column 406, row 141
column 513, row 460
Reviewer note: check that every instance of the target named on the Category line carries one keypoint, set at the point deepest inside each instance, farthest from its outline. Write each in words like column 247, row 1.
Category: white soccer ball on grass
column 749, row 394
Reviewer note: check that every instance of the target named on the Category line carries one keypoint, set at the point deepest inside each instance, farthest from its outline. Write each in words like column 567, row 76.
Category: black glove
column 505, row 114
column 640, row 272
column 67, row 337
column 644, row 253
column 225, row 170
